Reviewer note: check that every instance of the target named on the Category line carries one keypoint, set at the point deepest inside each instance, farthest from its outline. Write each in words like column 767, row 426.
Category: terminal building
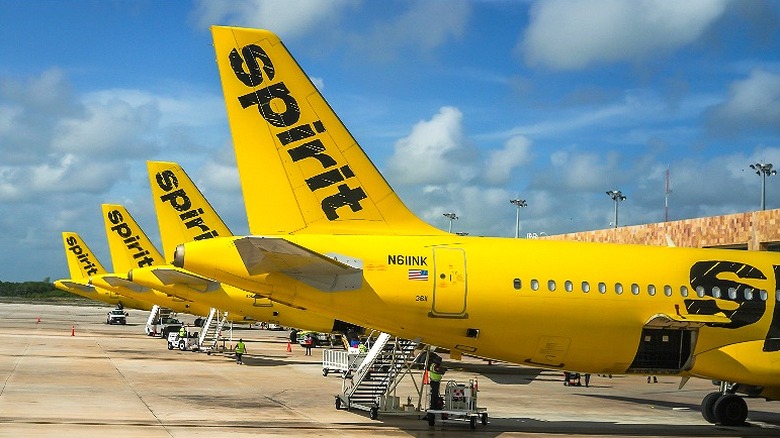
column 756, row 230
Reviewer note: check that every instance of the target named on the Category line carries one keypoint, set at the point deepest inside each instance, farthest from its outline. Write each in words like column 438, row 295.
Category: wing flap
column 116, row 281
column 268, row 254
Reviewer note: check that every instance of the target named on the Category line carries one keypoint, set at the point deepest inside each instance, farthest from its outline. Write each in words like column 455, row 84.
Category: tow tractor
column 189, row 342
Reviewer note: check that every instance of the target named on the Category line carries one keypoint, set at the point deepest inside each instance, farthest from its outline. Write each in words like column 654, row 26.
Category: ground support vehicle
column 116, row 316
column 460, row 405
column 188, row 342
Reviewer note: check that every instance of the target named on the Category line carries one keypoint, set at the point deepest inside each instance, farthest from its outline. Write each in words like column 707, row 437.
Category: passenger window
column 586, row 287
column 733, row 293
column 534, row 284
column 651, row 289
column 568, row 286
column 777, row 295
column 618, row 288
column 684, row 291
column 517, row 284
column 602, row 288
column 763, row 295
column 551, row 285
column 668, row 290
column 635, row 289
column 715, row 292
column 700, row 291
column 748, row 294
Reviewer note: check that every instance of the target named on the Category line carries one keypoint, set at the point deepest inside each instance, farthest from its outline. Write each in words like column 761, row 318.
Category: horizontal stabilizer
column 116, row 281
column 664, row 320
column 183, row 278
column 268, row 255
column 77, row 286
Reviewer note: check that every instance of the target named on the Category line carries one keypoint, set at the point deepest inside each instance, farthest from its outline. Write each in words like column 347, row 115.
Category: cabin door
column 449, row 283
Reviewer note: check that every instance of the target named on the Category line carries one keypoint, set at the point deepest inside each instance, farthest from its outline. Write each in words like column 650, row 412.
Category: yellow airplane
column 131, row 248
column 332, row 236
column 82, row 263
column 184, row 214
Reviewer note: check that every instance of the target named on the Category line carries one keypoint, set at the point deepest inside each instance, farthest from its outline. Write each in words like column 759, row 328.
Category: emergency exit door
column 449, row 285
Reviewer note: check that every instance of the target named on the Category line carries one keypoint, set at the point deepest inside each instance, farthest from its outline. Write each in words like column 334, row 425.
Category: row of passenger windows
column 652, row 290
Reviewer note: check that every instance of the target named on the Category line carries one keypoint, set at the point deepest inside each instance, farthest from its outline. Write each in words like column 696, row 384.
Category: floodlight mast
column 451, row 217
column 764, row 170
column 616, row 196
column 520, row 203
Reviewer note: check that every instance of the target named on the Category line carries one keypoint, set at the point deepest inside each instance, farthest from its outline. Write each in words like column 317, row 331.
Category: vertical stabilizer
column 183, row 213
column 300, row 169
column 82, row 263
column 130, row 247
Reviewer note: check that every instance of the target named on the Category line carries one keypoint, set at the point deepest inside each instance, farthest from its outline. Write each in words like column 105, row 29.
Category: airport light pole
column 451, row 217
column 616, row 196
column 764, row 170
column 520, row 203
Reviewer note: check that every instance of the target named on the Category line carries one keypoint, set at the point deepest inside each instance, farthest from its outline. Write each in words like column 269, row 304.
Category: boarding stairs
column 211, row 330
column 372, row 385
column 156, row 315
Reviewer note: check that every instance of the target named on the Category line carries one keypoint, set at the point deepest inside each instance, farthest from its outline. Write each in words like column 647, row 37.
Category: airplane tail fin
column 82, row 262
column 301, row 170
column 129, row 245
column 183, row 213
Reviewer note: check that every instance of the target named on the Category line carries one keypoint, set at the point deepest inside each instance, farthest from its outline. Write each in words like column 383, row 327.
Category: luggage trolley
column 460, row 404
column 341, row 361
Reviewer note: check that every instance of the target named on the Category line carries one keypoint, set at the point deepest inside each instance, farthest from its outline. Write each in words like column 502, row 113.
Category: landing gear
column 725, row 407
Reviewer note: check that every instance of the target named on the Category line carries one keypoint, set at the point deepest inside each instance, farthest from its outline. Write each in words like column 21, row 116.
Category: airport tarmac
column 71, row 375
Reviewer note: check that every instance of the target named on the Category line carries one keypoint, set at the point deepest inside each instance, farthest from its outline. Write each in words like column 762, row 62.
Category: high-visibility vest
column 433, row 374
column 240, row 348
column 182, row 332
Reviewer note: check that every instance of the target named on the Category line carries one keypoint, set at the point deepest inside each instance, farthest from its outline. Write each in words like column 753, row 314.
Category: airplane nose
column 178, row 256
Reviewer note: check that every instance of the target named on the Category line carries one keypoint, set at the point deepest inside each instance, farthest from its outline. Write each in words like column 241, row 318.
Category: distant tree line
column 33, row 290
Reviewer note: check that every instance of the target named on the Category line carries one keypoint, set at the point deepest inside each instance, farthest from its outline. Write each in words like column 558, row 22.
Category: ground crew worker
column 240, row 350
column 435, row 373
column 183, row 332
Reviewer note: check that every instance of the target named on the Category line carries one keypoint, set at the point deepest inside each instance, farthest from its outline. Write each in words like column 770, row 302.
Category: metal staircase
column 372, row 386
column 211, row 330
column 156, row 315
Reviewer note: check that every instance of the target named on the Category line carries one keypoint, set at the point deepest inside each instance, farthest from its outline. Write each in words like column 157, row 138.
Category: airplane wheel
column 473, row 422
column 484, row 419
column 731, row 410
column 708, row 407
column 431, row 419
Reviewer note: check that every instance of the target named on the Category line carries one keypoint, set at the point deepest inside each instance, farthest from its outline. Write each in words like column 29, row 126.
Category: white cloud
column 573, row 34
column 290, row 18
column 753, row 103
column 435, row 152
column 501, row 162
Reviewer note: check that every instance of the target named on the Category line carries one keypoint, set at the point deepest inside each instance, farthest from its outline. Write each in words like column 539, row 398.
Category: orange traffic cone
column 425, row 377
column 73, row 330
column 38, row 321
column 289, row 347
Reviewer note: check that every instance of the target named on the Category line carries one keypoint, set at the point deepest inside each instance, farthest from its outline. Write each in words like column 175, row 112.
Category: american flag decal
column 418, row 274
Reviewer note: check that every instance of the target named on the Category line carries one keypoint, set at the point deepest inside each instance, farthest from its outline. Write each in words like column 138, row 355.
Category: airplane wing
column 677, row 321
column 327, row 273
column 177, row 276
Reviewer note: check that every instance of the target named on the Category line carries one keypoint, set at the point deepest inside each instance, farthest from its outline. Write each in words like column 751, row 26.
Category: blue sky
column 462, row 105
